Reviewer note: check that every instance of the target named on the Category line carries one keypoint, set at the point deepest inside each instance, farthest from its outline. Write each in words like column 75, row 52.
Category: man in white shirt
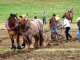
column 67, row 27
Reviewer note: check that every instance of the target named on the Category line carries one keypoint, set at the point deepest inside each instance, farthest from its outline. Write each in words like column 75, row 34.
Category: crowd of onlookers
column 43, row 17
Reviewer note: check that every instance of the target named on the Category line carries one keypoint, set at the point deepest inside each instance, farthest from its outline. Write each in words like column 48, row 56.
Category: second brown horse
column 69, row 14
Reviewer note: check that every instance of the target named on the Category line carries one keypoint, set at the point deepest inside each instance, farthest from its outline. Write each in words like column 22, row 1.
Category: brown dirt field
column 55, row 52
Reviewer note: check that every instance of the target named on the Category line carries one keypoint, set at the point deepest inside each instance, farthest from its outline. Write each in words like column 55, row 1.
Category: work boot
column 70, row 36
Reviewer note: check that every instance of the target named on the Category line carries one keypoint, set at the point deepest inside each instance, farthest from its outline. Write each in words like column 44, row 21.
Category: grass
column 4, row 50
column 58, row 49
column 1, row 49
column 45, row 49
column 31, row 6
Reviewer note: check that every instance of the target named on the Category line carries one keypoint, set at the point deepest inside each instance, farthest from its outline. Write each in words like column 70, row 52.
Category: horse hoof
column 37, row 47
column 31, row 46
column 23, row 44
column 22, row 47
column 26, row 47
column 44, row 44
column 13, row 48
column 19, row 47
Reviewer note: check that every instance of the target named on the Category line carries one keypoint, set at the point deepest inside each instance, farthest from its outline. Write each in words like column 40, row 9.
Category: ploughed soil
column 55, row 49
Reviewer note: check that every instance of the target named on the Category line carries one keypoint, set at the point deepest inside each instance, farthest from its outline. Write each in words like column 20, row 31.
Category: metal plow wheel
column 60, row 37
column 56, row 36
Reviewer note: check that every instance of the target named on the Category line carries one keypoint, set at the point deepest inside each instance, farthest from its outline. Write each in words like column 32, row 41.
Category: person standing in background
column 35, row 16
column 78, row 24
column 44, row 17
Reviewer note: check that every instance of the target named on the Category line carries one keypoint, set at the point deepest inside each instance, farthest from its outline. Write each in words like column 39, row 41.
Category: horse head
column 70, row 10
column 24, row 21
column 13, row 21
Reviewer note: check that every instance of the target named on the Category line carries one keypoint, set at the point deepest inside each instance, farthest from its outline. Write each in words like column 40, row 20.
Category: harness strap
column 36, row 23
column 28, row 27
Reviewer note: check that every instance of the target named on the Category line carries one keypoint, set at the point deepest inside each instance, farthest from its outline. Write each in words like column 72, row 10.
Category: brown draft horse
column 31, row 29
column 69, row 14
column 12, row 26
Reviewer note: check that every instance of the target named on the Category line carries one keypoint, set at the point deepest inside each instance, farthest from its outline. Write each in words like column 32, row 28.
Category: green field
column 38, row 6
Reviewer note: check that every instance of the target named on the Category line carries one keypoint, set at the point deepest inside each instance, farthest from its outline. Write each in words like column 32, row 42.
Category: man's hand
column 62, row 27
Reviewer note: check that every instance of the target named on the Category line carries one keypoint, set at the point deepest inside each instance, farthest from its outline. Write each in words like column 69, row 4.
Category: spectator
column 52, row 25
column 35, row 16
column 67, row 27
column 78, row 32
column 44, row 17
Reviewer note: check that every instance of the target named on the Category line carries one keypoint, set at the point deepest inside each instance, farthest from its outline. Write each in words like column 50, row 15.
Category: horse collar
column 7, row 26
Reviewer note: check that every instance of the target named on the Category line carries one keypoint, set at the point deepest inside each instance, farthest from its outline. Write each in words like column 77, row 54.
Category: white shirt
column 66, row 21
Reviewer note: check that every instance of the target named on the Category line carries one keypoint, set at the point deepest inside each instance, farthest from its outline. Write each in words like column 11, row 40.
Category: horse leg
column 42, row 42
column 26, row 42
column 18, row 42
column 13, row 46
column 30, row 42
column 12, row 40
column 36, row 41
column 23, row 44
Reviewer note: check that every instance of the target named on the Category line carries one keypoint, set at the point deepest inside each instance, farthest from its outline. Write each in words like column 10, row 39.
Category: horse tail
column 41, row 38
column 41, row 30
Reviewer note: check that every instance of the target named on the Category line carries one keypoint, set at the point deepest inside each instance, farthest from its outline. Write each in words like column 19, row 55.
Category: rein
column 37, row 25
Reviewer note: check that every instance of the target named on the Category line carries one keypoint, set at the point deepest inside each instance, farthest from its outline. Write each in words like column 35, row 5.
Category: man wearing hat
column 59, row 24
column 78, row 24
column 67, row 27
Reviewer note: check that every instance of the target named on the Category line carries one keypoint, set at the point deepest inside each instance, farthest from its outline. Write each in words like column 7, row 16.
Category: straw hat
column 57, row 17
column 78, row 18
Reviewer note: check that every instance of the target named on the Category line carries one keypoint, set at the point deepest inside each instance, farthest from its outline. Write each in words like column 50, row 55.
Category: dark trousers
column 67, row 32
column 44, row 20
